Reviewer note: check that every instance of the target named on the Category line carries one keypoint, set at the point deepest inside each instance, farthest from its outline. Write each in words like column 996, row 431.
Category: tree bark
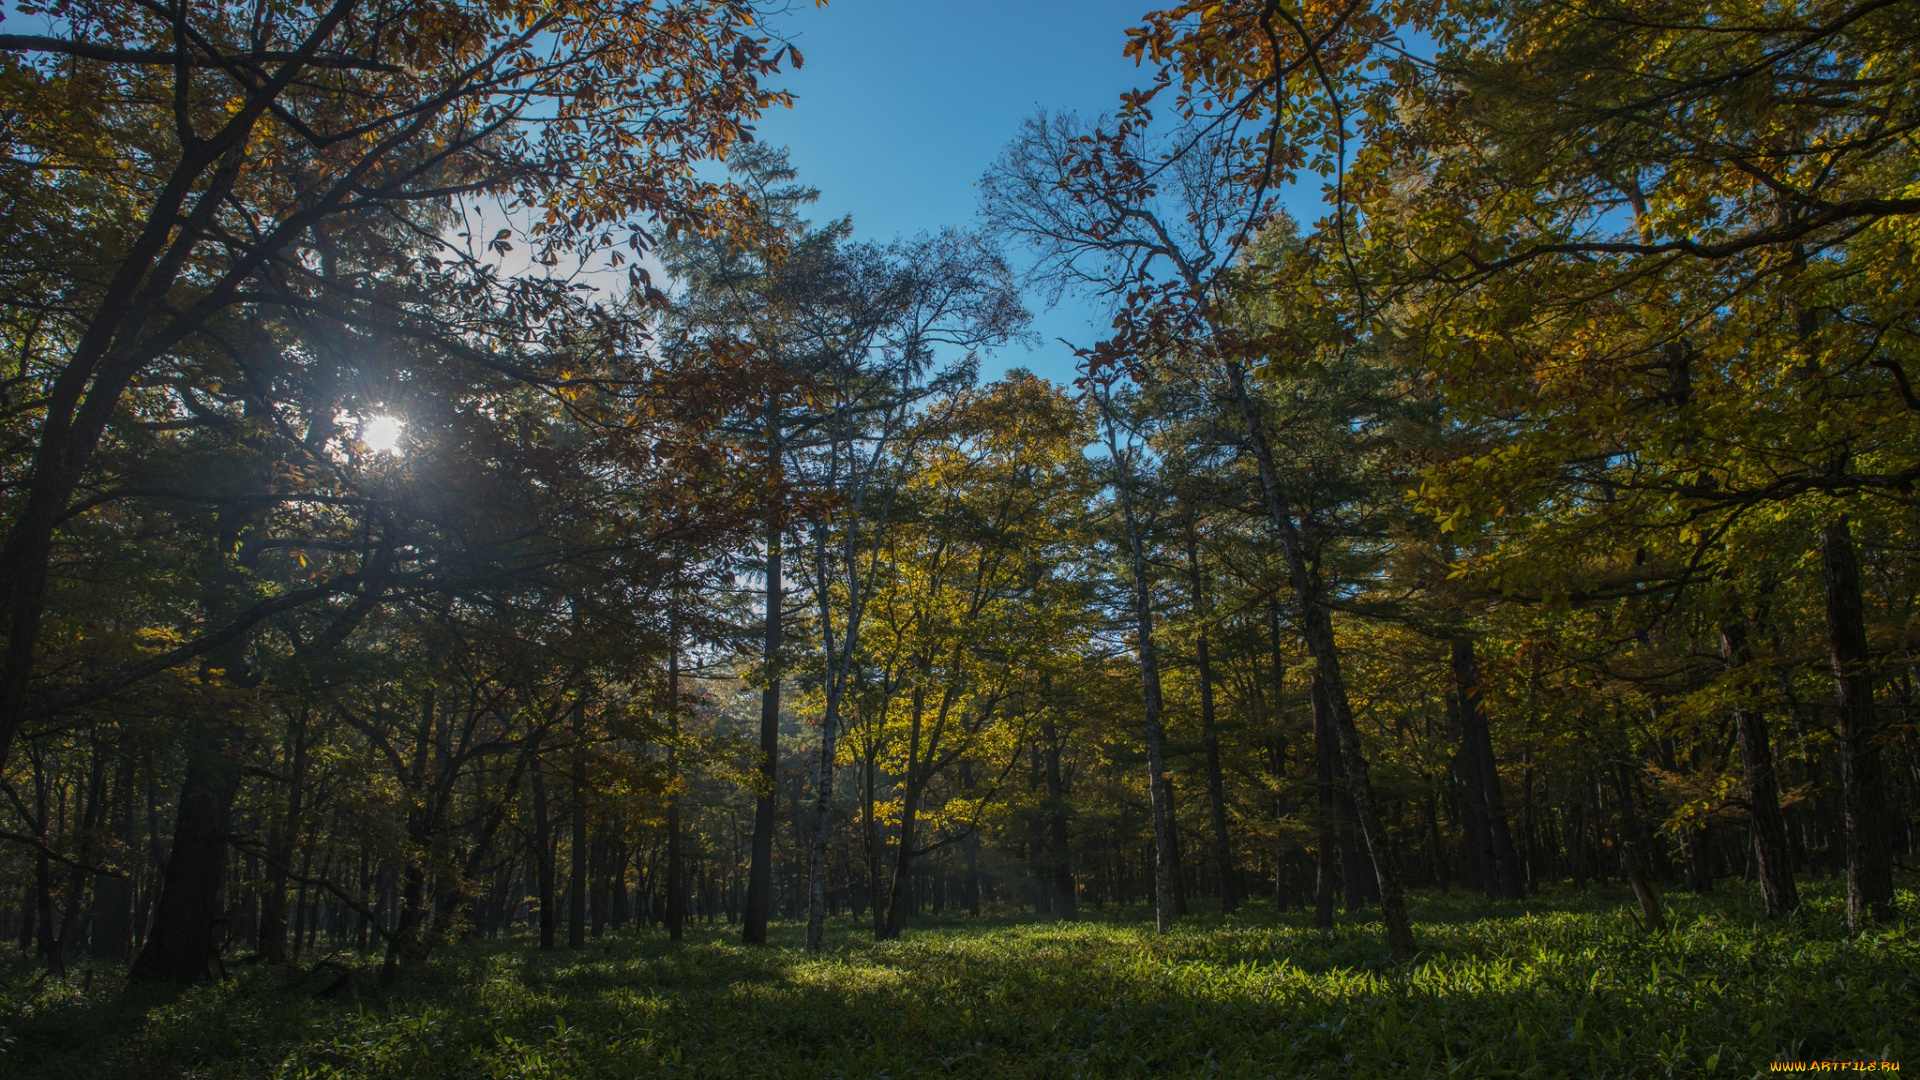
column 760, row 870
column 871, row 841
column 1316, row 625
column 1210, row 737
column 1505, row 876
column 407, row 933
column 817, row 843
column 1633, row 855
column 543, row 859
column 1326, row 757
column 273, row 911
column 897, row 894
column 918, row 774
column 1869, row 855
column 816, row 939
column 1354, row 869
column 898, row 897
column 1059, row 849
column 840, row 661
column 1771, row 853
column 1285, row 895
column 577, row 863
column 971, row 847
column 1176, row 861
column 676, row 872
column 601, row 871
column 113, row 893
column 189, row 920
column 1164, row 864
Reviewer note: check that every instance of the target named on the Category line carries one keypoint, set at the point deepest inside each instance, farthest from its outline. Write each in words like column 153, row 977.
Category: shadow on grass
column 1560, row 985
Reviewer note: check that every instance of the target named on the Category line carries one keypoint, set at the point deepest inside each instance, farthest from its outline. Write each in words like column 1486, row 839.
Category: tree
column 1093, row 207
column 259, row 147
column 975, row 599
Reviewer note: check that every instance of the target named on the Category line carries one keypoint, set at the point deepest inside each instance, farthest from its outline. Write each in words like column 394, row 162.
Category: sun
column 381, row 434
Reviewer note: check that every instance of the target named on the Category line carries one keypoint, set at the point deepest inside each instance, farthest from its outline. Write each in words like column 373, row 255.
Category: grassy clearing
column 1562, row 986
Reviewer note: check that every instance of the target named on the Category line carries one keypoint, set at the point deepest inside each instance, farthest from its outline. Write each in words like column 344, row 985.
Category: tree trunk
column 898, row 898
column 577, row 864
column 1059, row 848
column 543, row 860
column 1285, row 895
column 300, row 906
column 1633, row 855
column 899, row 895
column 871, row 840
column 1326, row 754
column 1476, row 845
column 1354, row 870
column 1210, row 738
column 1869, row 856
column 760, row 871
column 1176, row 861
column 190, row 919
column 273, row 913
column 1164, row 864
column 43, row 870
column 823, row 818
column 406, row 933
column 1770, row 851
column 1477, row 741
column 971, row 846
column 601, row 870
column 676, row 873
column 1316, row 624
column 113, row 893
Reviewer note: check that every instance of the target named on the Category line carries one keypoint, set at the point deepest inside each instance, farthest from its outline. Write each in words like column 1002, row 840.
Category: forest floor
column 1564, row 984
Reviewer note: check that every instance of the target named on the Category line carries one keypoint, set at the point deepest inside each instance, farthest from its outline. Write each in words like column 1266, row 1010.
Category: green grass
column 1564, row 985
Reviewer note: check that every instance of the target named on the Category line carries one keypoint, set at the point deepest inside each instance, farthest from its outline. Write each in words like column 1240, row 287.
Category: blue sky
column 904, row 103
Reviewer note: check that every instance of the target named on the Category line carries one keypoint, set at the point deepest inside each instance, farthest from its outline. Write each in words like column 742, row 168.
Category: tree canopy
column 451, row 487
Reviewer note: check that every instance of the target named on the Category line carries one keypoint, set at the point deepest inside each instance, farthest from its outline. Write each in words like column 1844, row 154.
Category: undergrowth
column 1562, row 985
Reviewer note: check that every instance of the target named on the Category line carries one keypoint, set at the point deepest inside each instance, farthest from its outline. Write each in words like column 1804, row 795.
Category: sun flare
column 381, row 434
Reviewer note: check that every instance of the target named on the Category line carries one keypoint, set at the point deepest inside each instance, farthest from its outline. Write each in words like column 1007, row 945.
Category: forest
column 496, row 581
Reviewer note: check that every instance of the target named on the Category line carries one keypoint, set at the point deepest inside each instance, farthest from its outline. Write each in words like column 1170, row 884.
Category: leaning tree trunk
column 1316, row 626
column 1869, row 858
column 1770, row 850
column 190, row 918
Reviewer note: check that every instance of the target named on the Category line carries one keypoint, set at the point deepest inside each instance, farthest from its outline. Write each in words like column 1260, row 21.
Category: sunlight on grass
column 1567, row 988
